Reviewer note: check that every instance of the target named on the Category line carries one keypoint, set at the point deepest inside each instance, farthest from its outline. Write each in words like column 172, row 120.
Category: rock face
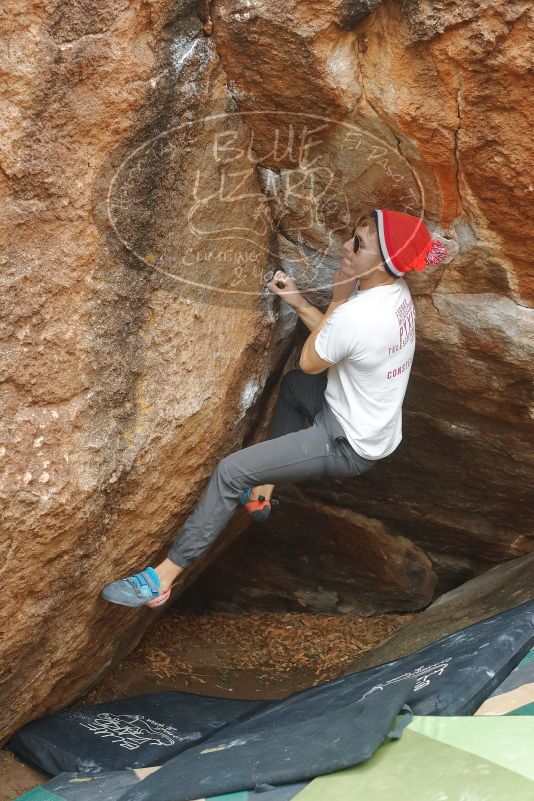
column 157, row 161
column 122, row 385
column 504, row 587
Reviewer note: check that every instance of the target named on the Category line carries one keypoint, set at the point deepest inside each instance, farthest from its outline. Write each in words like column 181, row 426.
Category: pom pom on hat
column 436, row 254
column 405, row 242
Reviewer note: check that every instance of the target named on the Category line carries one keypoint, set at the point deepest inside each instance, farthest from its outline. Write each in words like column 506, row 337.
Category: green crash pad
column 39, row 794
column 515, row 695
column 101, row 787
column 453, row 758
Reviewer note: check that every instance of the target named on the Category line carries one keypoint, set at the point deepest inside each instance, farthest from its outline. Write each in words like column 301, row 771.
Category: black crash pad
column 132, row 733
column 342, row 722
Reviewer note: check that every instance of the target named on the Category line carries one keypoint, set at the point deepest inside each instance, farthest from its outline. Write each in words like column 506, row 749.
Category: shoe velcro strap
column 134, row 582
column 152, row 583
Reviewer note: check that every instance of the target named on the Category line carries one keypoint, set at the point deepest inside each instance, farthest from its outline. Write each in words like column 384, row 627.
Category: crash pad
column 109, row 786
column 341, row 722
column 485, row 757
column 40, row 794
column 310, row 733
column 441, row 758
column 515, row 695
column 133, row 732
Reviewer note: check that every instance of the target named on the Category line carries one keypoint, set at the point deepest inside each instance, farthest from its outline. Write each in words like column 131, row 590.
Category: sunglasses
column 358, row 243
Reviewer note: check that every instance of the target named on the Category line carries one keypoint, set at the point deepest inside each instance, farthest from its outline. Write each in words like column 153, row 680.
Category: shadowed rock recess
column 158, row 160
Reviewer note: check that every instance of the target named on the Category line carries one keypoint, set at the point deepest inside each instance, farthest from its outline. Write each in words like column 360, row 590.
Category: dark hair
column 366, row 219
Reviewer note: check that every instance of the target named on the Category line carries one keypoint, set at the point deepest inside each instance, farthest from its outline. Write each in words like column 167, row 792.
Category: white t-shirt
column 370, row 341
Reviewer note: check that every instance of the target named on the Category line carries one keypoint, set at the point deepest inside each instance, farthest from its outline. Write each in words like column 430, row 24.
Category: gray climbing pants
column 291, row 454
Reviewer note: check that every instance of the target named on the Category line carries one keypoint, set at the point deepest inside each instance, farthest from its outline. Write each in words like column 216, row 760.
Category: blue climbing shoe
column 260, row 509
column 141, row 589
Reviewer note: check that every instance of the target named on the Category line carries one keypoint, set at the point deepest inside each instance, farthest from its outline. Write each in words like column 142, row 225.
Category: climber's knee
column 226, row 468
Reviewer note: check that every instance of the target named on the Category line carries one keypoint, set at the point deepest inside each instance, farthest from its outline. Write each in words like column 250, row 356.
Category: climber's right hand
column 286, row 288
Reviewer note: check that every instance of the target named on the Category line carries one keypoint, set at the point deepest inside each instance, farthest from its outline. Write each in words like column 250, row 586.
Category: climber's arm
column 310, row 361
column 310, row 315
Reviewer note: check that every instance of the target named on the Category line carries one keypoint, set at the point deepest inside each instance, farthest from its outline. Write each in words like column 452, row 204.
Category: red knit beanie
column 405, row 242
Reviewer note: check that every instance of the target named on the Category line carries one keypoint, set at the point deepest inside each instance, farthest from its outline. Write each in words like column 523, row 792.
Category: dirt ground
column 248, row 655
column 15, row 777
